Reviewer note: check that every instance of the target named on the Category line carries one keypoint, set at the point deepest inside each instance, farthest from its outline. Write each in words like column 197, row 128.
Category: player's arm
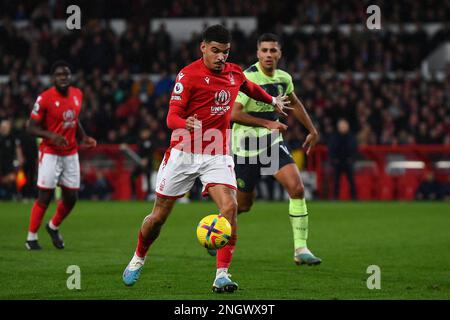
column 84, row 138
column 176, row 120
column 34, row 125
column 255, row 92
column 303, row 117
column 240, row 116
column 34, row 128
column 176, row 117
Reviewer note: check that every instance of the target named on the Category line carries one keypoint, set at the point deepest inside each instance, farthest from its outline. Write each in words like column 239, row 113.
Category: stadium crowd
column 121, row 100
column 308, row 11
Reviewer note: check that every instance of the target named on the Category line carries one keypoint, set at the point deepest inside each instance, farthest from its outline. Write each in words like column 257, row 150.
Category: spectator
column 145, row 167
column 342, row 150
column 29, row 148
column 429, row 188
column 9, row 152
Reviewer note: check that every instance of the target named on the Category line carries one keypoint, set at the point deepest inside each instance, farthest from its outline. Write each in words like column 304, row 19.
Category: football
column 213, row 231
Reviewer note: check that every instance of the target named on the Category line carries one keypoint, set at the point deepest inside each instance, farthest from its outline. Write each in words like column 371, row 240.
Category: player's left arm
column 84, row 138
column 302, row 116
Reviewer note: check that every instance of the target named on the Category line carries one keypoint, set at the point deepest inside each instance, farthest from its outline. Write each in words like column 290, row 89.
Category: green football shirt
column 279, row 83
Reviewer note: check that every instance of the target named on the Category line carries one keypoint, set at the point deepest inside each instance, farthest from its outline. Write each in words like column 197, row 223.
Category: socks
column 32, row 236
column 221, row 271
column 52, row 226
column 142, row 246
column 299, row 220
column 225, row 254
column 62, row 211
column 37, row 214
column 136, row 262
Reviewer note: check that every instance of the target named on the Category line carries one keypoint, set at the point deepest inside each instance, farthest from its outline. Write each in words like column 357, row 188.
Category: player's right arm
column 34, row 126
column 176, row 117
column 238, row 115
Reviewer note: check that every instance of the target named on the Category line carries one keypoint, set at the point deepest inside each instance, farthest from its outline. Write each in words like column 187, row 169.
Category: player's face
column 215, row 54
column 269, row 53
column 62, row 76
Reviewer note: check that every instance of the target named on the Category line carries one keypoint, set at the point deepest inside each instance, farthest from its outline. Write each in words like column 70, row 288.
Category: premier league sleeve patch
column 178, row 88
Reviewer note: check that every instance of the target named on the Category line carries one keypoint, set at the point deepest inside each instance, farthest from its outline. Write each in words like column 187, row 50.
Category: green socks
column 299, row 220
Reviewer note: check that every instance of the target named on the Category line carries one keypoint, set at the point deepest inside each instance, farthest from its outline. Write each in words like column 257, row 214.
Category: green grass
column 410, row 242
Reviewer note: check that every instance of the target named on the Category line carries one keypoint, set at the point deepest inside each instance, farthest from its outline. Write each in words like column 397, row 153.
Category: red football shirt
column 209, row 95
column 59, row 114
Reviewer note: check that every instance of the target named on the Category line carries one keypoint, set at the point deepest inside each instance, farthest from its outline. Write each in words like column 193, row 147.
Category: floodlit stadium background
column 392, row 84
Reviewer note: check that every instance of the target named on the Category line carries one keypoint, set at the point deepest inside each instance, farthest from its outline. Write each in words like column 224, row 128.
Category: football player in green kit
column 257, row 121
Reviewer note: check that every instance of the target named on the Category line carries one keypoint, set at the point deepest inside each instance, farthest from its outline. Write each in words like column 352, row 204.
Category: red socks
column 62, row 211
column 37, row 214
column 225, row 254
column 142, row 246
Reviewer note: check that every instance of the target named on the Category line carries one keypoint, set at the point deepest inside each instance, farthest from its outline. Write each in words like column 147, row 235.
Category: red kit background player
column 54, row 118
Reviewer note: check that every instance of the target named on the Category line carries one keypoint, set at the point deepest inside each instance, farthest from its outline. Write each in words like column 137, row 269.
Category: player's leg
column 247, row 177
column 245, row 200
column 148, row 233
column 174, row 179
column 37, row 214
column 48, row 173
column 69, row 180
column 336, row 179
column 225, row 199
column 349, row 171
column 63, row 209
column 290, row 179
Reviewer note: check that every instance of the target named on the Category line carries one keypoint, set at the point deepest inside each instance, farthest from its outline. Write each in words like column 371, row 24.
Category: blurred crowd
column 32, row 48
column 121, row 98
column 306, row 11
column 123, row 103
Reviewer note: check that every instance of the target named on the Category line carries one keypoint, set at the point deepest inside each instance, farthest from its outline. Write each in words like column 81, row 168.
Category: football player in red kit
column 199, row 115
column 54, row 118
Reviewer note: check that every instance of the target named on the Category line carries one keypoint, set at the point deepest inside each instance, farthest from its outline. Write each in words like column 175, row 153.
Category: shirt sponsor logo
column 222, row 99
column 219, row 110
column 69, row 119
column 176, row 98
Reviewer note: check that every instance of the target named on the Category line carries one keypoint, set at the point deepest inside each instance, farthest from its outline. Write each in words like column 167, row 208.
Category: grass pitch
column 409, row 242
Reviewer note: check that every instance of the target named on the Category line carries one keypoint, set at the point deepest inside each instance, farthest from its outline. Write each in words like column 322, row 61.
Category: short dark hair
column 57, row 64
column 269, row 37
column 216, row 33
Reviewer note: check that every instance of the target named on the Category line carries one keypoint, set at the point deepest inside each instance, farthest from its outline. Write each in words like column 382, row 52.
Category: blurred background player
column 144, row 166
column 256, row 120
column 10, row 150
column 201, row 102
column 29, row 152
column 343, row 149
column 55, row 119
